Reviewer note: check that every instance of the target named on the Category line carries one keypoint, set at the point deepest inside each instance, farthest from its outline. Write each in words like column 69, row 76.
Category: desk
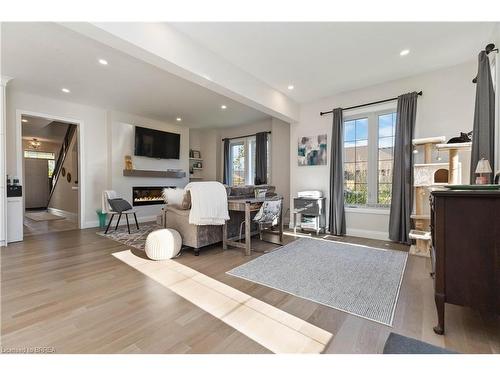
column 246, row 205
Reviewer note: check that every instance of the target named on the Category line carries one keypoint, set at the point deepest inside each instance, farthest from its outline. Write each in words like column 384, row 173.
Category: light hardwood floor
column 32, row 227
column 65, row 290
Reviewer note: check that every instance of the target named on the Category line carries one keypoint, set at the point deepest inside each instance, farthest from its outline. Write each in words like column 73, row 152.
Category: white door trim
column 81, row 155
column 4, row 80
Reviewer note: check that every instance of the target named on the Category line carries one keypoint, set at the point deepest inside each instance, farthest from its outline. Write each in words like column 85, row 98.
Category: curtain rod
column 244, row 136
column 489, row 48
column 367, row 104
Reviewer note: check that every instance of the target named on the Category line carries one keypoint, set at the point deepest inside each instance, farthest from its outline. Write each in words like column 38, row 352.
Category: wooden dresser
column 465, row 229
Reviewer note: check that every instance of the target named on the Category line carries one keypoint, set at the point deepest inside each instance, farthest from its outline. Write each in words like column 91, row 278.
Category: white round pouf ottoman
column 163, row 244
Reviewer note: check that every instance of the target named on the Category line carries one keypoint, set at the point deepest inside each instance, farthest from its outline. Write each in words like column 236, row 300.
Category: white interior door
column 36, row 183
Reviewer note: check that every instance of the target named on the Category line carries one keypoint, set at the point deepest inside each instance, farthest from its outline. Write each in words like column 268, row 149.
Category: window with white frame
column 368, row 158
column 242, row 157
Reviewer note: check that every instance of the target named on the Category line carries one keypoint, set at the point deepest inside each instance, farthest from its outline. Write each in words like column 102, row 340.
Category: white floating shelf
column 454, row 146
column 421, row 165
column 420, row 235
column 433, row 140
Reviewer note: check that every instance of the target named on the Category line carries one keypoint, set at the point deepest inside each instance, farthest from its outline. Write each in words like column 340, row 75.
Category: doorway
column 50, row 173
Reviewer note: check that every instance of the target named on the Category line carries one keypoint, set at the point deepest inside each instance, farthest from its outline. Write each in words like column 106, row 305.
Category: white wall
column 106, row 137
column 93, row 136
column 446, row 108
column 280, row 166
column 165, row 47
column 121, row 143
column 209, row 142
column 64, row 198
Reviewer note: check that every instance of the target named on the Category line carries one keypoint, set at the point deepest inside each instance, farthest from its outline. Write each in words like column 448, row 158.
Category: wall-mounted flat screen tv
column 156, row 144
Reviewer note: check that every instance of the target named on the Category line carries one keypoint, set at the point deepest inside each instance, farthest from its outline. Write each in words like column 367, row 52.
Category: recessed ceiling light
column 223, row 106
column 290, row 87
column 179, row 119
column 404, row 52
column 24, row 120
column 103, row 62
column 65, row 90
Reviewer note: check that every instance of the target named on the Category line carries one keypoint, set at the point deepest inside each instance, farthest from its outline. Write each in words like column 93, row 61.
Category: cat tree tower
column 429, row 176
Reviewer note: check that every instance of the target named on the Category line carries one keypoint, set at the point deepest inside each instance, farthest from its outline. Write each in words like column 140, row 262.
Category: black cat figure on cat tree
column 463, row 137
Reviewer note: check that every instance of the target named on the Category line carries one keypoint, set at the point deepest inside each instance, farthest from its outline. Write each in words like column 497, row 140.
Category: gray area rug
column 356, row 279
column 136, row 238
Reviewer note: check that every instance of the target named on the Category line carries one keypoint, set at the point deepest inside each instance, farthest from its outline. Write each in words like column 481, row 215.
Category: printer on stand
column 309, row 211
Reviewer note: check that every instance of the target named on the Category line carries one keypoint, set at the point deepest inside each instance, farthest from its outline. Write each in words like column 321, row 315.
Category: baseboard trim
column 376, row 235
column 68, row 215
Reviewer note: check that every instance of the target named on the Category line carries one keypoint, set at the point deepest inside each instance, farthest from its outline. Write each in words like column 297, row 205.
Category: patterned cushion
column 186, row 201
column 269, row 212
column 173, row 196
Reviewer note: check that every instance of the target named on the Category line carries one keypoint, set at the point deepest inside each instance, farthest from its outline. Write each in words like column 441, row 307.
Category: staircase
column 61, row 158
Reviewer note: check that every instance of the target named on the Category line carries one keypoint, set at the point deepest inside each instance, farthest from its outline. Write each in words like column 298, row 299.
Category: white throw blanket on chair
column 208, row 203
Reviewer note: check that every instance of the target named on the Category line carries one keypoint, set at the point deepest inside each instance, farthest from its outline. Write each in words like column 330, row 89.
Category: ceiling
column 321, row 59
column 43, row 129
column 43, row 58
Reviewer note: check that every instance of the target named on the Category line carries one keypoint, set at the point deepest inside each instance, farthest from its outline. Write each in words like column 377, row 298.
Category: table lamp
column 483, row 167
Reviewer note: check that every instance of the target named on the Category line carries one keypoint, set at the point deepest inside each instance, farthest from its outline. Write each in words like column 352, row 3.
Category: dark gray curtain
column 227, row 163
column 261, row 158
column 483, row 135
column 402, row 177
column 337, row 213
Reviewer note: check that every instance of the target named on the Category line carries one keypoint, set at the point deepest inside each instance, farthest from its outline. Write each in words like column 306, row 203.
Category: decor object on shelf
column 463, row 137
column 195, row 154
column 312, row 150
column 128, row 163
column 483, row 167
column 163, row 244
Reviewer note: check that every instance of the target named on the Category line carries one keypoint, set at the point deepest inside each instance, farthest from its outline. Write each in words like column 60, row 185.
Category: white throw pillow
column 173, row 196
